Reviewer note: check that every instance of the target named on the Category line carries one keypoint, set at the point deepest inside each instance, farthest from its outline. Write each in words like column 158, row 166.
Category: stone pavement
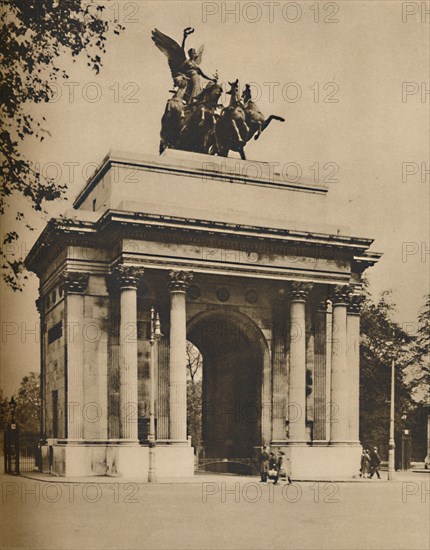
column 215, row 512
column 201, row 477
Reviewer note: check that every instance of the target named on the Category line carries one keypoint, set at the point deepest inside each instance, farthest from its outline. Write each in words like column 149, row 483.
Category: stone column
column 339, row 367
column 320, row 371
column 279, row 376
column 178, row 282
column 353, row 361
column 163, row 390
column 73, row 285
column 329, row 338
column 40, row 303
column 297, row 379
column 128, row 278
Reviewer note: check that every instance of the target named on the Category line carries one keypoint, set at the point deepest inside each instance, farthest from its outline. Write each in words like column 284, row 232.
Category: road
column 224, row 513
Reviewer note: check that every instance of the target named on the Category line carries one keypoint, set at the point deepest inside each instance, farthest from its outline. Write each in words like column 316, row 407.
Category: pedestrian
column 282, row 468
column 273, row 468
column 375, row 461
column 365, row 463
column 264, row 464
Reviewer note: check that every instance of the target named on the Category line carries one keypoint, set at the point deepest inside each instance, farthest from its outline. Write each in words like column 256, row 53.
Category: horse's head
column 234, row 88
column 246, row 94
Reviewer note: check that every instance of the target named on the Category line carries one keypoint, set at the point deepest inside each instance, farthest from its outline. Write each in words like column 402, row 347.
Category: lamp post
column 12, row 440
column 391, row 442
column 12, row 405
column 155, row 337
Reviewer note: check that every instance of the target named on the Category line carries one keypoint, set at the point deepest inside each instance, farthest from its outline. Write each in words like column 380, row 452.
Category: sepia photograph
column 215, row 283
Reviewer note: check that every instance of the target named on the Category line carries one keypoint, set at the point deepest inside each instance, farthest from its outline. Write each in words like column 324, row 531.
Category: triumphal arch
column 235, row 258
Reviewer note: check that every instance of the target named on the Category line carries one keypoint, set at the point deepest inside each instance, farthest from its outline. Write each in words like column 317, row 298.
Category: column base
column 179, row 442
column 346, row 442
column 128, row 442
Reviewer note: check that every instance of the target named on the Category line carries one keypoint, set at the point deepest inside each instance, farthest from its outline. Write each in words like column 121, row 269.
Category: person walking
column 365, row 463
column 273, row 468
column 264, row 464
column 375, row 461
column 282, row 468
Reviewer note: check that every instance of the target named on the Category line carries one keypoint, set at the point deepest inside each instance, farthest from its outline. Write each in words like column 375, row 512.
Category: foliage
column 382, row 340
column 34, row 35
column 420, row 363
column 28, row 405
column 194, row 394
column 194, row 411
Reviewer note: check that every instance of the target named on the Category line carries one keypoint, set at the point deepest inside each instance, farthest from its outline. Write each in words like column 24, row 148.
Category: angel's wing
column 199, row 55
column 171, row 49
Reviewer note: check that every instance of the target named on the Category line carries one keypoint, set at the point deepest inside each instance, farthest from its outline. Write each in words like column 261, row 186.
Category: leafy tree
column 420, row 363
column 28, row 405
column 4, row 411
column 381, row 341
column 34, row 34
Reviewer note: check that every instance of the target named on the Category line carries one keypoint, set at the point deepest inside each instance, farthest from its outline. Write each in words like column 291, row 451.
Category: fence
column 21, row 450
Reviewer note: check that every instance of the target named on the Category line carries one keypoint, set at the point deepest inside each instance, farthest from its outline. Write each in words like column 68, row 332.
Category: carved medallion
column 251, row 296
column 223, row 294
column 194, row 292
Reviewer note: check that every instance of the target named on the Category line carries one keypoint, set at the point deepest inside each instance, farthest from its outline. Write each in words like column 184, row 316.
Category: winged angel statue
column 193, row 119
column 179, row 64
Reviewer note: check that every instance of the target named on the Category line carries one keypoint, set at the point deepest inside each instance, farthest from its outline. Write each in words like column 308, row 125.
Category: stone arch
column 236, row 367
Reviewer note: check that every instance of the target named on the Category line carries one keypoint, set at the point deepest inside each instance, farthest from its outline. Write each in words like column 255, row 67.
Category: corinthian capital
column 126, row 276
column 340, row 294
column 179, row 280
column 356, row 299
column 73, row 282
column 299, row 291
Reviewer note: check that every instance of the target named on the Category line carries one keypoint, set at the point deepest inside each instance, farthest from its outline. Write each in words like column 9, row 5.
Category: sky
column 351, row 78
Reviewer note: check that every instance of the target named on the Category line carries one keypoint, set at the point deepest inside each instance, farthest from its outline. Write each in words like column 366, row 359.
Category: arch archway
column 236, row 375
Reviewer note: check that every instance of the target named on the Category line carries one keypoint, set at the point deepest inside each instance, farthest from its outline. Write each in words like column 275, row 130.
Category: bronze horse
column 231, row 129
column 173, row 118
column 254, row 117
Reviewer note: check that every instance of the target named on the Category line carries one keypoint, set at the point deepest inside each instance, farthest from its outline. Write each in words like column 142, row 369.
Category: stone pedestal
column 116, row 460
column 308, row 463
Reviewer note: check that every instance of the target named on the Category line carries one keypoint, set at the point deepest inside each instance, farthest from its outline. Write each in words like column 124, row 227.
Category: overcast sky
column 336, row 71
